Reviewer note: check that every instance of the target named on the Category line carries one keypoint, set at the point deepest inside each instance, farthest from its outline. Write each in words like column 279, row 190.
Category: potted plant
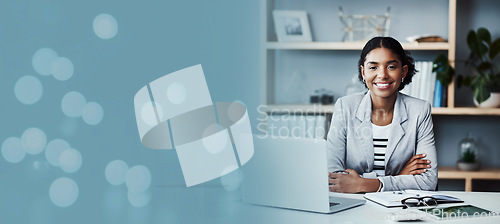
column 468, row 154
column 485, row 79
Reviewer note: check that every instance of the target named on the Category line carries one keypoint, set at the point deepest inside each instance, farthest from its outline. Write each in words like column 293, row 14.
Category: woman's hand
column 416, row 165
column 345, row 183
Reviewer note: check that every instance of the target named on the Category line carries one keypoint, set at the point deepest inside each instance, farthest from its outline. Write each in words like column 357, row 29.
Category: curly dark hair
column 395, row 47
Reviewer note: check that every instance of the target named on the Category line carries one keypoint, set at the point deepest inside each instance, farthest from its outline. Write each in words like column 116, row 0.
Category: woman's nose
column 383, row 73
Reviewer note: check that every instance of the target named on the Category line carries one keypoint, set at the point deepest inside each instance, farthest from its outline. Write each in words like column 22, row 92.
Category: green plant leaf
column 468, row 156
column 463, row 80
column 481, row 94
column 484, row 35
column 494, row 48
column 479, row 88
column 481, row 68
column 443, row 69
column 475, row 82
column 475, row 44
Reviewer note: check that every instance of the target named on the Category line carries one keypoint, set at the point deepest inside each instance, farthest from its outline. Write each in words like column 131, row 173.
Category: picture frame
column 292, row 26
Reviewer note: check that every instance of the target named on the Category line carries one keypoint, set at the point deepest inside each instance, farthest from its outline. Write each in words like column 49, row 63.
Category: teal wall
column 155, row 38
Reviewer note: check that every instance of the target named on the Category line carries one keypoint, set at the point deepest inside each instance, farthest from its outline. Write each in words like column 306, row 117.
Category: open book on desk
column 393, row 198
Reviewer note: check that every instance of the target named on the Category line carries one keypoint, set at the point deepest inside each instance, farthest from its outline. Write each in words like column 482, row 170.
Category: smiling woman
column 375, row 133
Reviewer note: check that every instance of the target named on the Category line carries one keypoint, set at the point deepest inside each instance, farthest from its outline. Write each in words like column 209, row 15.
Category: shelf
column 465, row 111
column 299, row 109
column 453, row 173
column 328, row 109
column 348, row 46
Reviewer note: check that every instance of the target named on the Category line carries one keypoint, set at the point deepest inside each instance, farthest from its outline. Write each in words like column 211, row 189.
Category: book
column 297, row 126
column 393, row 198
column 424, row 79
column 415, row 88
column 320, row 127
column 431, row 83
column 310, row 125
column 438, row 95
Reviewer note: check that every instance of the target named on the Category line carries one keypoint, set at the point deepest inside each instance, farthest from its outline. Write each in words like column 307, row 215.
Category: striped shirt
column 380, row 139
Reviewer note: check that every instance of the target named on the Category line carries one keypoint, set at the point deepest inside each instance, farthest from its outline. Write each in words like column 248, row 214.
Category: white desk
column 370, row 212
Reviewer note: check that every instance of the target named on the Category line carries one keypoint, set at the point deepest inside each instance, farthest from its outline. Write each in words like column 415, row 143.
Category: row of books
column 425, row 86
column 295, row 125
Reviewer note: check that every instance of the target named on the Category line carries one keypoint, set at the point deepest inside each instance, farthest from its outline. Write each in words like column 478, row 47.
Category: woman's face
column 383, row 72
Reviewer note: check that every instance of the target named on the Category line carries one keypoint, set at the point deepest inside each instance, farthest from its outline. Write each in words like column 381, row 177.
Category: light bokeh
column 116, row 172
column 105, row 26
column 138, row 178
column 28, row 89
column 70, row 160
column 42, row 60
column 62, row 69
column 92, row 113
column 34, row 141
column 139, row 199
column 148, row 114
column 54, row 149
column 12, row 150
column 63, row 192
column 72, row 104
column 176, row 93
column 215, row 143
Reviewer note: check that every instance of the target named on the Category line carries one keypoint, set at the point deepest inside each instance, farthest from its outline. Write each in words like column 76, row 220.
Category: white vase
column 468, row 166
column 492, row 101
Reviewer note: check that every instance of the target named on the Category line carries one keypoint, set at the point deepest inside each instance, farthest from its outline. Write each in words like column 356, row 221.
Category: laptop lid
column 289, row 173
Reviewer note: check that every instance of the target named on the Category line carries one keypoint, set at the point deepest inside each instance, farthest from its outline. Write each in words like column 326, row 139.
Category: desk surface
column 207, row 204
column 372, row 212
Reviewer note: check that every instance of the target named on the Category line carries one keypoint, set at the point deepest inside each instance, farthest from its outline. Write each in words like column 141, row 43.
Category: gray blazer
column 350, row 141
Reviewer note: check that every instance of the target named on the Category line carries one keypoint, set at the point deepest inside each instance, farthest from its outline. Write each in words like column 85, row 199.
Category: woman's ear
column 362, row 71
column 405, row 71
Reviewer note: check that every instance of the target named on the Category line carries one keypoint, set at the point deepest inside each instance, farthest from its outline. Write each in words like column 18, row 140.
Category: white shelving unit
column 347, row 46
column 270, row 47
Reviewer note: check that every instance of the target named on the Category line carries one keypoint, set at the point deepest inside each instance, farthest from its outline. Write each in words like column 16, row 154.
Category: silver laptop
column 291, row 173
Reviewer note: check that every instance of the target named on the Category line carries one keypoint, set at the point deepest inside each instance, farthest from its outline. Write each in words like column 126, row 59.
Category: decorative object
column 355, row 86
column 364, row 27
column 492, row 101
column 468, row 154
column 292, row 26
column 322, row 96
column 486, row 78
column 420, row 38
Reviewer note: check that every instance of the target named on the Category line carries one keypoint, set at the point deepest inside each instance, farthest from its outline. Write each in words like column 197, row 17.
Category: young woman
column 382, row 140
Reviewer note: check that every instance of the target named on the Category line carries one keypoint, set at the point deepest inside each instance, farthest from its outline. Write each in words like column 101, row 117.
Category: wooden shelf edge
column 298, row 108
column 348, row 46
column 465, row 111
column 453, row 173
column 328, row 109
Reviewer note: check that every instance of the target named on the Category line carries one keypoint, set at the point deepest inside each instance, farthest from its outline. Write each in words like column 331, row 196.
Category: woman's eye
column 372, row 67
column 391, row 67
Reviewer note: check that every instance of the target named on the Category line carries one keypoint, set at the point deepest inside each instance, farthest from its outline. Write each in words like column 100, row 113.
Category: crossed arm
column 353, row 183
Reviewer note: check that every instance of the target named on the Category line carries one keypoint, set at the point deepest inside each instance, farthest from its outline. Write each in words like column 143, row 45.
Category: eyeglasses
column 427, row 201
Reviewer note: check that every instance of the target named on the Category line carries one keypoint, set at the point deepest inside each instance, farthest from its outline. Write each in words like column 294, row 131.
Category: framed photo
column 292, row 26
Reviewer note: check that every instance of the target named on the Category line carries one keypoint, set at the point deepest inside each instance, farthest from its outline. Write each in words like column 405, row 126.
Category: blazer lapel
column 396, row 130
column 364, row 129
